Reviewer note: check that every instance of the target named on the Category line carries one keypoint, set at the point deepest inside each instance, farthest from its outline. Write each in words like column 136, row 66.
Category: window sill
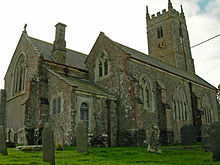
column 101, row 78
column 20, row 93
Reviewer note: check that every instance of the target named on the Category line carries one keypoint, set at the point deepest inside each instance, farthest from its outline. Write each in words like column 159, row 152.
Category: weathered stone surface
column 81, row 137
column 48, row 144
column 152, row 139
column 59, row 138
column 3, row 147
column 21, row 137
column 215, row 125
column 30, row 148
column 126, row 70
column 206, row 145
column 215, row 142
column 188, row 135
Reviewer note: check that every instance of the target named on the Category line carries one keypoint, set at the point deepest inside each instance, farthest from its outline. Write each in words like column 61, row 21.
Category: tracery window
column 145, row 92
column 56, row 105
column 84, row 114
column 207, row 110
column 19, row 75
column 179, row 104
column 102, row 64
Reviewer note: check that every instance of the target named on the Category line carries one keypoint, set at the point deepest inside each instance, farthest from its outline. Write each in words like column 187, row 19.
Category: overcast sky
column 121, row 20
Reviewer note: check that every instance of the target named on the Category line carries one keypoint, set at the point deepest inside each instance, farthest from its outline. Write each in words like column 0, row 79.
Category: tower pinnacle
column 170, row 6
column 147, row 13
column 182, row 10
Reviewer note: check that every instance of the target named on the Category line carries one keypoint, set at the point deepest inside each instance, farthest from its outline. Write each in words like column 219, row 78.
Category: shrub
column 59, row 147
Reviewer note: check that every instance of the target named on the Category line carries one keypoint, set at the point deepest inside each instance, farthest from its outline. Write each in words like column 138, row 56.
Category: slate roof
column 84, row 85
column 164, row 66
column 77, row 59
column 74, row 58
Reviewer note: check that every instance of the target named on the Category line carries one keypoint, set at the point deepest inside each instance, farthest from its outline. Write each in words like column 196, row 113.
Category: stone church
column 115, row 90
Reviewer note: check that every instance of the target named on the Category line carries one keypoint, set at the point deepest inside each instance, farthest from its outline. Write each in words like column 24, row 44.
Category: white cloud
column 122, row 20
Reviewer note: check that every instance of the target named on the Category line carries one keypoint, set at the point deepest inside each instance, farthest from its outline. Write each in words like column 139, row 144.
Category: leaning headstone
column 206, row 145
column 188, row 135
column 48, row 144
column 215, row 142
column 3, row 147
column 59, row 138
column 152, row 139
column 81, row 137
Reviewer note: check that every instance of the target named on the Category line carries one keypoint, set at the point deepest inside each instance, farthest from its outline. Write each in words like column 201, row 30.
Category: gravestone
column 215, row 125
column 81, row 137
column 214, row 139
column 188, row 135
column 59, row 138
column 48, row 144
column 3, row 147
column 21, row 137
column 153, row 139
column 206, row 145
column 215, row 142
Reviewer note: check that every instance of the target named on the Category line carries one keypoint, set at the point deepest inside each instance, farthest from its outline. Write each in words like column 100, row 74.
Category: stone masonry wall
column 15, row 104
column 59, row 88
column 117, row 81
column 98, row 115
column 145, row 116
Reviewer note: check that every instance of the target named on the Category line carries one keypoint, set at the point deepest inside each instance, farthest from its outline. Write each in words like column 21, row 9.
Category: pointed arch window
column 100, row 69
column 180, row 103
column 57, row 105
column 19, row 75
column 84, row 114
column 207, row 110
column 102, row 64
column 159, row 32
column 145, row 92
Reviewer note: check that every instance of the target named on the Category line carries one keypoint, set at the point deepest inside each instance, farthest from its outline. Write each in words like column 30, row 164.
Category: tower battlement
column 163, row 15
column 168, row 38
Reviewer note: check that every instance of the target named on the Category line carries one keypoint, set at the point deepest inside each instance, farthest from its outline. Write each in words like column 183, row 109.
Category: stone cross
column 81, row 137
column 152, row 138
column 48, row 144
column 3, row 147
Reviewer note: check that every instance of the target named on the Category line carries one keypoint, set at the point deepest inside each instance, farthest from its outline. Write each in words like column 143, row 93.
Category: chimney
column 59, row 45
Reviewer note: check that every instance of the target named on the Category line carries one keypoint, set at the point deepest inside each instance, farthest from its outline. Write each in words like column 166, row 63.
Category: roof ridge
column 130, row 48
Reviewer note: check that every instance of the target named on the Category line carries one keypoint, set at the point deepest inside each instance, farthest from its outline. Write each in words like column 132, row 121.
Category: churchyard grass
column 114, row 155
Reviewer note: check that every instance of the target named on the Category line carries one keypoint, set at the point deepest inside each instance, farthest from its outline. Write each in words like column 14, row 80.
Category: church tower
column 168, row 38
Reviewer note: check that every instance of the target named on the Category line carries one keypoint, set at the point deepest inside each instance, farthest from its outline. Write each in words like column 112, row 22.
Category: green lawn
column 112, row 156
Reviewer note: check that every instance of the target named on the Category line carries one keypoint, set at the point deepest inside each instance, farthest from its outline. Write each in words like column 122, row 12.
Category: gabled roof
column 141, row 57
column 84, row 85
column 74, row 58
column 77, row 59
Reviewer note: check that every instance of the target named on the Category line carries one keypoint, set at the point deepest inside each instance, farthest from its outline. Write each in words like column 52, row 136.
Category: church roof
column 141, row 57
column 77, row 59
column 74, row 58
column 84, row 85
